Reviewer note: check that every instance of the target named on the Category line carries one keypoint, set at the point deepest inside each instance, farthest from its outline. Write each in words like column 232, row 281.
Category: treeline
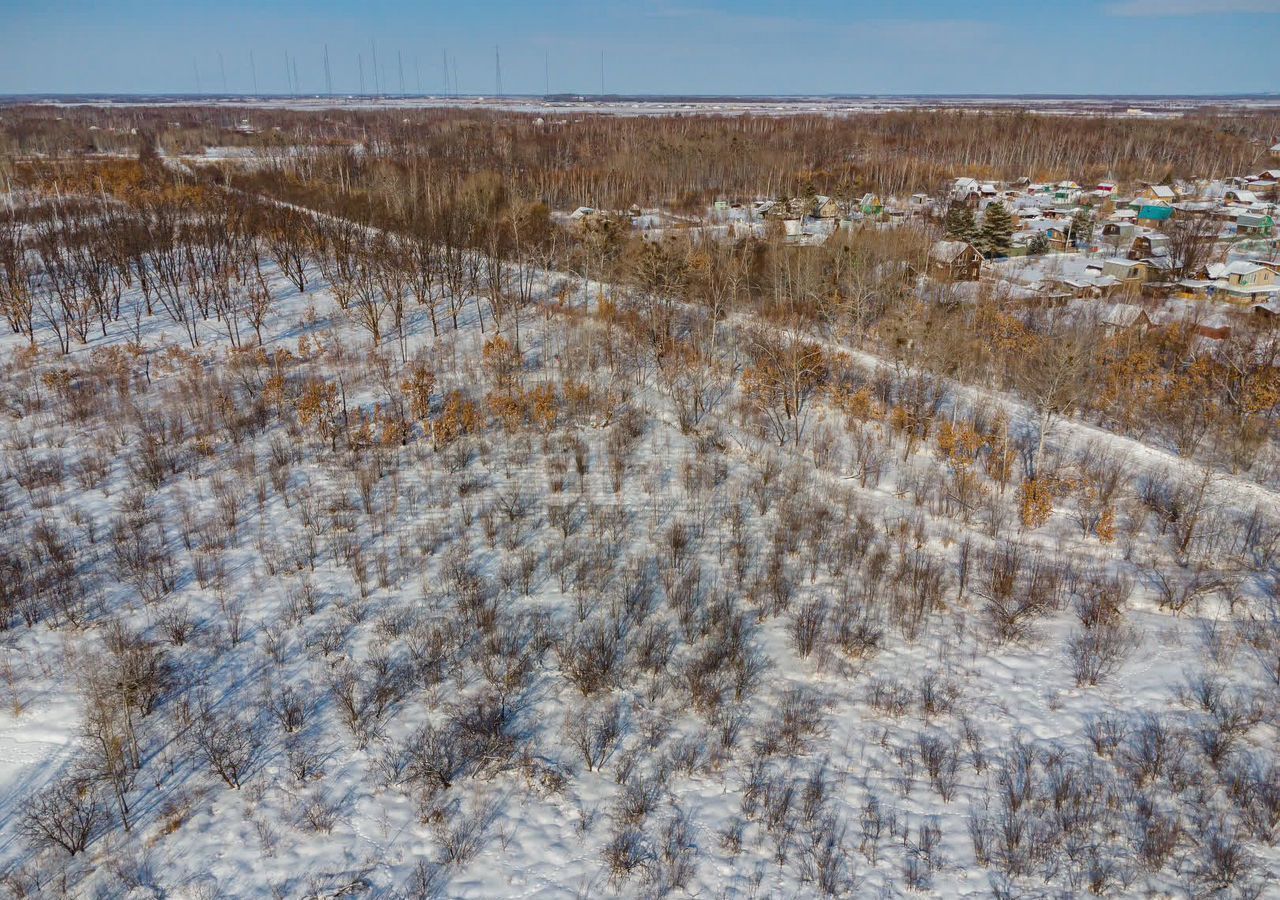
column 614, row 161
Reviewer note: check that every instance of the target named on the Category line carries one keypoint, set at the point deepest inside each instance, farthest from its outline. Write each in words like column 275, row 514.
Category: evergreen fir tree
column 997, row 230
column 1082, row 227
column 960, row 224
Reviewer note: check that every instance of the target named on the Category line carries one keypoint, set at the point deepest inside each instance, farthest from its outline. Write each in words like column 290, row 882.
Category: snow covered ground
column 662, row 662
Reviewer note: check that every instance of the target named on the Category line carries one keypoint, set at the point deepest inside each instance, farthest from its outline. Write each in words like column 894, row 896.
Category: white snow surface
column 546, row 839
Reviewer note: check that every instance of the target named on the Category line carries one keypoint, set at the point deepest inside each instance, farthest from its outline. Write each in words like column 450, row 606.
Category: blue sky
column 650, row 46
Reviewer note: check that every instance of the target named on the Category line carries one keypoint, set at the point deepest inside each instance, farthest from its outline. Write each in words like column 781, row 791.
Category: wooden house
column 955, row 261
column 1243, row 281
column 1159, row 193
column 1118, row 318
column 827, row 208
column 1131, row 274
column 1148, row 245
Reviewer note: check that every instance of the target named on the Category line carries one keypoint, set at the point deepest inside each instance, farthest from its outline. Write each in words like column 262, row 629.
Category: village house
column 1243, row 281
column 1268, row 312
column 1132, row 274
column 955, row 260
column 827, row 208
column 966, row 191
column 1159, row 193
column 1254, row 224
column 1154, row 213
column 1149, row 244
column 1083, row 287
column 763, row 209
column 1055, row 230
column 1118, row 318
column 1117, row 233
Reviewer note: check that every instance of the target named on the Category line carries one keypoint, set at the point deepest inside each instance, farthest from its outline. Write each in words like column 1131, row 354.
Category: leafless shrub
column 1179, row 591
column 462, row 831
column 731, row 836
column 921, row 861
column 430, row 652
column 67, row 814
column 937, row 695
column 807, row 626
column 1224, row 863
column 973, row 742
column 824, row 858
column 225, row 742
column 1097, row 653
column 941, row 761
column 1152, row 751
column 889, row 696
column 177, row 624
column 674, row 861
column 486, row 728
column 639, row 797
column 1106, row 732
column 627, row 851
column 319, row 813
column 427, row 881
column 1019, row 589
column 591, row 656
column 288, row 707
column 91, row 468
column 1254, row 786
column 857, row 631
column 364, row 696
column 594, row 731
column 798, row 717
column 304, row 762
column 1157, row 833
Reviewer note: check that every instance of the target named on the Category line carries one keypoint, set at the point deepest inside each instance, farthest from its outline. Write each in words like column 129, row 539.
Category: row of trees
column 614, row 161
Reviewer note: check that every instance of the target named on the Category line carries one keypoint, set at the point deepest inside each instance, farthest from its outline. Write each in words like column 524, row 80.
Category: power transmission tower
column 253, row 68
column 288, row 73
column 360, row 63
column 223, row 70
column 417, row 75
column 195, row 65
column 377, row 81
column 400, row 65
column 497, row 67
column 546, row 71
column 328, row 75
column 601, row 73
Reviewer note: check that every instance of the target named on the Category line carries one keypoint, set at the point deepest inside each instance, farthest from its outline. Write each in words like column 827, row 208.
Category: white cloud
column 1156, row 8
